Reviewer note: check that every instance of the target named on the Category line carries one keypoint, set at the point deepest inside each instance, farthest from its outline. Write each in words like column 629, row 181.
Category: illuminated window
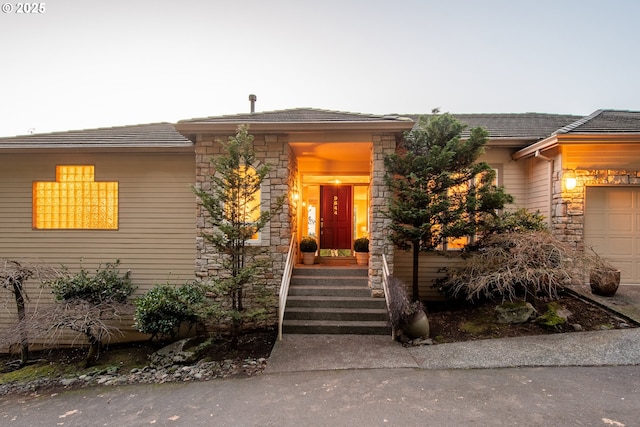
column 459, row 243
column 75, row 201
column 244, row 206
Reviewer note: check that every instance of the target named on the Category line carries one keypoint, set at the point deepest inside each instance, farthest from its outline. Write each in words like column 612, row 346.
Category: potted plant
column 308, row 247
column 604, row 278
column 361, row 246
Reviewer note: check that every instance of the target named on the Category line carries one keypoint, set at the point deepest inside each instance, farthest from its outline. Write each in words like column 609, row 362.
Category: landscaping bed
column 452, row 322
column 129, row 363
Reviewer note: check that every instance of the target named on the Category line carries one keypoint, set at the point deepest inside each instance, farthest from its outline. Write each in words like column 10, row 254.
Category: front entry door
column 335, row 217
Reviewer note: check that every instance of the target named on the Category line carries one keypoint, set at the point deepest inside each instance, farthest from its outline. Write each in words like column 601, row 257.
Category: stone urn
column 604, row 281
column 417, row 326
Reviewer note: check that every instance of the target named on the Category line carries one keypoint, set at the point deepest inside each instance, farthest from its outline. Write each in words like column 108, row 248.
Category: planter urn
column 604, row 282
column 418, row 326
column 362, row 258
column 308, row 258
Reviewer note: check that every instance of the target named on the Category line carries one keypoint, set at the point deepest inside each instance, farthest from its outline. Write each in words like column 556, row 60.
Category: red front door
column 335, row 217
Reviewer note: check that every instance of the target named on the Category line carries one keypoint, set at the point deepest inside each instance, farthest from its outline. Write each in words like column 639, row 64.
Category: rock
column 202, row 371
column 514, row 312
column 185, row 351
column 67, row 381
column 555, row 316
column 576, row 327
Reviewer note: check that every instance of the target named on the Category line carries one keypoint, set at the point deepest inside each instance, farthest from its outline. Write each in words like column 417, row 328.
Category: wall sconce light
column 295, row 196
column 570, row 181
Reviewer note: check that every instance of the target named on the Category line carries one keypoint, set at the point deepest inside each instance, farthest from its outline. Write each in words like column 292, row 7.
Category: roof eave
column 510, row 142
column 295, row 127
column 576, row 138
column 542, row 145
column 23, row 147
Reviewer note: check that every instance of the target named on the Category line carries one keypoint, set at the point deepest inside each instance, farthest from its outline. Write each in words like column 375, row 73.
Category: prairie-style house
column 93, row 196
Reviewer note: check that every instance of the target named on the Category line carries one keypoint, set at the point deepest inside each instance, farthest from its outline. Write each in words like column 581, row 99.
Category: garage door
column 612, row 227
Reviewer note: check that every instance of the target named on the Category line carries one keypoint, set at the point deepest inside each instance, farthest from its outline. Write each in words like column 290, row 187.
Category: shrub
column 514, row 265
column 308, row 244
column 518, row 221
column 162, row 309
column 361, row 245
column 107, row 285
column 88, row 305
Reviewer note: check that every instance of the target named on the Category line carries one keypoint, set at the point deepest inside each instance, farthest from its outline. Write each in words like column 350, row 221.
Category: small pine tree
column 439, row 190
column 236, row 216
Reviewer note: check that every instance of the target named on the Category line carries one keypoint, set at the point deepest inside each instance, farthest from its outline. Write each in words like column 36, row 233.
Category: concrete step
column 337, row 314
column 336, row 291
column 302, row 280
column 335, row 302
column 354, row 271
column 336, row 327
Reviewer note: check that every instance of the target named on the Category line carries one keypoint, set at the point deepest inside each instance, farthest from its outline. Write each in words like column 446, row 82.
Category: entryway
column 335, row 213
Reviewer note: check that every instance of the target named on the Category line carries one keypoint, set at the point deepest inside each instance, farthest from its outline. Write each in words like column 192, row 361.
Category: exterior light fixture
column 570, row 181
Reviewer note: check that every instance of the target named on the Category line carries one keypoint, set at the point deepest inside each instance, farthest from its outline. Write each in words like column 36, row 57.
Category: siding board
column 157, row 221
column 430, row 268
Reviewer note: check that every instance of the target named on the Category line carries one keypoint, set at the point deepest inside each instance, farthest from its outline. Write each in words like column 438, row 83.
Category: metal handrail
column 286, row 279
column 385, row 287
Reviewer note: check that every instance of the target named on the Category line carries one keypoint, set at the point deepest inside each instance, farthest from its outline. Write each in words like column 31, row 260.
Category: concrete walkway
column 298, row 353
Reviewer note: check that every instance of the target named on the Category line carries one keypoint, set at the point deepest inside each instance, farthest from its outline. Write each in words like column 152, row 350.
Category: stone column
column 379, row 224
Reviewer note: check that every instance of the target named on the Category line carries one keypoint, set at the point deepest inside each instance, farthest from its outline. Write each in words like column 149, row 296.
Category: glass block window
column 75, row 201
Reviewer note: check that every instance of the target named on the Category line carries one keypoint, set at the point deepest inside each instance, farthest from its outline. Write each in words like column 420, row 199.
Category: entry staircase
column 333, row 300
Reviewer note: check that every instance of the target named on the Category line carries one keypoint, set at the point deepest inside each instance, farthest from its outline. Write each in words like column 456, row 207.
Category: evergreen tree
column 439, row 190
column 236, row 216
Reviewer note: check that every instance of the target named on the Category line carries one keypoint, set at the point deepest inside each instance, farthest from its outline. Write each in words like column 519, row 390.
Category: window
column 460, row 242
column 75, row 201
column 245, row 202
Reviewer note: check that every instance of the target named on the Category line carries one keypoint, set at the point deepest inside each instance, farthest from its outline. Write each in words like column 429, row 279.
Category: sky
column 83, row 64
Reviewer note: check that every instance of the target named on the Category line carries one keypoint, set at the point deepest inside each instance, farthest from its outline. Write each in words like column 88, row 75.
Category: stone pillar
column 379, row 224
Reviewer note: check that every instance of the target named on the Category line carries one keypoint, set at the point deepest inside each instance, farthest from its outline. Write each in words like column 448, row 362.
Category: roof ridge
column 289, row 110
column 572, row 126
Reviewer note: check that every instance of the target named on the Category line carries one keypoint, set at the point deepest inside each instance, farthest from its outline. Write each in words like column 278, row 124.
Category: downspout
column 551, row 167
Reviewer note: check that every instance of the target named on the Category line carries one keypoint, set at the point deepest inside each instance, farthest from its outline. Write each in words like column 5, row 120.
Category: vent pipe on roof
column 253, row 99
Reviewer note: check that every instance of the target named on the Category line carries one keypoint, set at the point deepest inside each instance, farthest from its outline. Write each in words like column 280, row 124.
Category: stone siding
column 380, row 244
column 275, row 237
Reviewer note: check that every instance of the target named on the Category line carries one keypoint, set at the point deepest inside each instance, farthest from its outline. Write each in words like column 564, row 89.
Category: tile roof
column 605, row 121
column 300, row 115
column 517, row 126
column 524, row 126
column 149, row 135
column 514, row 125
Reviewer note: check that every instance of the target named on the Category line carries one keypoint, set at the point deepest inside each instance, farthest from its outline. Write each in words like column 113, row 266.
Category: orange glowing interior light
column 75, row 201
